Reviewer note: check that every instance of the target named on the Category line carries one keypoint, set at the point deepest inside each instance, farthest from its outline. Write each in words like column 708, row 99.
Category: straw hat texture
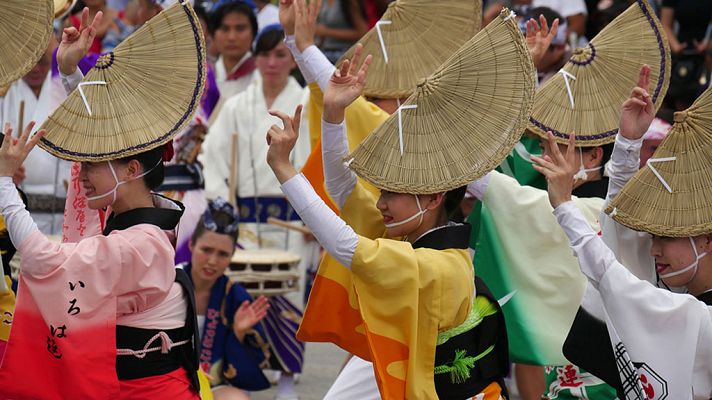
column 137, row 97
column 25, row 29
column 460, row 123
column 600, row 77
column 63, row 7
column 412, row 39
column 672, row 195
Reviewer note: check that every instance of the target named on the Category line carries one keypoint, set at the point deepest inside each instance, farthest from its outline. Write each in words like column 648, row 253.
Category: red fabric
column 96, row 44
column 245, row 69
column 173, row 385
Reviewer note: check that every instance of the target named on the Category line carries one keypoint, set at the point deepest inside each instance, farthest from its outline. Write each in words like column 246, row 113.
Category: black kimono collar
column 589, row 189
column 165, row 214
column 452, row 236
column 706, row 298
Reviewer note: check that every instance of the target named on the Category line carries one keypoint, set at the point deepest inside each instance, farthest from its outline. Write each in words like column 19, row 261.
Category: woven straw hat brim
column 154, row 83
column 645, row 204
column 418, row 36
column 63, row 7
column 606, row 71
column 25, row 29
column 470, row 114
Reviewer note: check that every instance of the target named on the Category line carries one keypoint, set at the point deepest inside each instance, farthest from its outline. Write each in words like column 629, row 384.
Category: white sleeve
column 338, row 178
column 70, row 82
column 17, row 219
column 215, row 153
column 332, row 232
column 478, row 188
column 312, row 62
column 625, row 161
column 593, row 255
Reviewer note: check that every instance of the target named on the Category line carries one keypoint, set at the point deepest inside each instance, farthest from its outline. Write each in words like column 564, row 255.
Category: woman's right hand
column 13, row 152
column 305, row 22
column 345, row 86
column 76, row 42
column 248, row 315
column 638, row 112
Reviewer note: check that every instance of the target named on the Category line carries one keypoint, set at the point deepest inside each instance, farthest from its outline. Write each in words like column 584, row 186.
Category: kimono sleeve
column 216, row 150
column 405, row 297
column 242, row 366
column 137, row 260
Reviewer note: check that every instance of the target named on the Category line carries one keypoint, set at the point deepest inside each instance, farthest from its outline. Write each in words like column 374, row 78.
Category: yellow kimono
column 391, row 305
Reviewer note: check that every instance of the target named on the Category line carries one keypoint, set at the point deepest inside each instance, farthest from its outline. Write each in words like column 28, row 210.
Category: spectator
column 341, row 24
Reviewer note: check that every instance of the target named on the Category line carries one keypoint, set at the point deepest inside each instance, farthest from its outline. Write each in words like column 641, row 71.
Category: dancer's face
column 396, row 207
column 233, row 37
column 275, row 65
column 211, row 254
column 675, row 254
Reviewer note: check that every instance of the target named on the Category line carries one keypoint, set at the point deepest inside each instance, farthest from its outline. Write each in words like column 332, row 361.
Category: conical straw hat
column 601, row 77
column 468, row 116
column 672, row 195
column 25, row 29
column 138, row 96
column 63, row 7
column 416, row 36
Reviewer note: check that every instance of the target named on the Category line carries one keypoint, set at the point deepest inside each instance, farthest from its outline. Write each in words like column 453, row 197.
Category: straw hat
column 600, row 77
column 672, row 195
column 416, row 37
column 25, row 29
column 137, row 97
column 63, row 7
column 460, row 123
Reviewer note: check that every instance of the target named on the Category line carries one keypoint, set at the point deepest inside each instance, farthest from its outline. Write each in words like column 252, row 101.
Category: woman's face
column 672, row 255
column 233, row 37
column 211, row 255
column 96, row 179
column 396, row 207
column 275, row 65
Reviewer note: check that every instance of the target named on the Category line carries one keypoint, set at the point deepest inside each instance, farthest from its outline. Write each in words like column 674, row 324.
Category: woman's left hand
column 13, row 152
column 281, row 141
column 559, row 169
column 248, row 315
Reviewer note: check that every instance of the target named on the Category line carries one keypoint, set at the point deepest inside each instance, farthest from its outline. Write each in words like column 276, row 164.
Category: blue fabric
column 239, row 363
column 257, row 210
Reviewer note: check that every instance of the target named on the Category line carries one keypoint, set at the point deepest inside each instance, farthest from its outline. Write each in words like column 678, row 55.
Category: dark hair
column 217, row 16
column 452, row 200
column 150, row 160
column 607, row 152
column 346, row 8
column 549, row 14
column 221, row 218
column 267, row 41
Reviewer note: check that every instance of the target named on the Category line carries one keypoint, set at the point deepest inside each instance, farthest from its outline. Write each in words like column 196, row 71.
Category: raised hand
column 559, row 169
column 248, row 315
column 638, row 112
column 539, row 37
column 305, row 22
column 13, row 152
column 345, row 86
column 281, row 141
column 76, row 42
column 286, row 16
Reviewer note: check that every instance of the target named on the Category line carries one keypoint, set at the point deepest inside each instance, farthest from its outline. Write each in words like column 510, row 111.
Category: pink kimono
column 63, row 340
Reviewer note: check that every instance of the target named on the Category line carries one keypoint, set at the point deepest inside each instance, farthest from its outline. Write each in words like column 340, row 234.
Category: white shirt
column 232, row 87
column 268, row 15
column 566, row 8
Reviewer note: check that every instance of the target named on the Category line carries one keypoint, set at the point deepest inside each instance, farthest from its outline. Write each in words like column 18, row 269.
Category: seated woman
column 644, row 320
column 232, row 346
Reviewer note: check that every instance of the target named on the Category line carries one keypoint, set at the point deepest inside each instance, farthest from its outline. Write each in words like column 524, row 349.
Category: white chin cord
column 582, row 174
column 116, row 186
column 691, row 266
column 420, row 214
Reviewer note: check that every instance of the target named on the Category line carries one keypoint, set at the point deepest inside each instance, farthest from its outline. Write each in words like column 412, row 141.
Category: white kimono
column 231, row 88
column 45, row 174
column 246, row 114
